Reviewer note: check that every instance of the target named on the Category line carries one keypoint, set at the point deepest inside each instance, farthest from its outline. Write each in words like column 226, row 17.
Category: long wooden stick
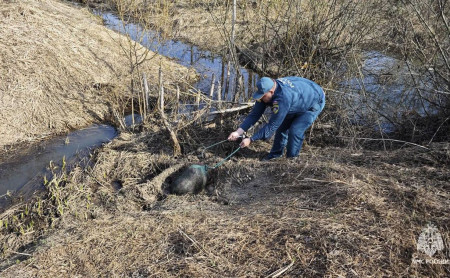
column 178, row 101
column 211, row 91
column 147, row 97
column 161, row 90
column 384, row 139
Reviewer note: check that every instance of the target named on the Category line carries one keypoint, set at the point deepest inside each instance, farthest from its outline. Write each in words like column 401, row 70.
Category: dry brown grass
column 60, row 68
column 331, row 212
column 207, row 24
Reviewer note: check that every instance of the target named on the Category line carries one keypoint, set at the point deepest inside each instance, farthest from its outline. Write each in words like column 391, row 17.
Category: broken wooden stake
column 211, row 91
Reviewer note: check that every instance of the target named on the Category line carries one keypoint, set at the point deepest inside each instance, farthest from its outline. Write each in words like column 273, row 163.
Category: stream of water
column 26, row 174
column 205, row 62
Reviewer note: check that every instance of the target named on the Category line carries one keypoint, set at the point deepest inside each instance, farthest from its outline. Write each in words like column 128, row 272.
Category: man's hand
column 235, row 134
column 245, row 143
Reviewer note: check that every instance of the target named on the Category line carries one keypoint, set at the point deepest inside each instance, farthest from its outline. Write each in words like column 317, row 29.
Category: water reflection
column 129, row 119
column 26, row 173
column 387, row 89
column 204, row 62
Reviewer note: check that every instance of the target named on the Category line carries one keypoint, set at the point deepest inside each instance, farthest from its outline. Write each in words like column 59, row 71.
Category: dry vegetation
column 61, row 69
column 330, row 212
column 338, row 210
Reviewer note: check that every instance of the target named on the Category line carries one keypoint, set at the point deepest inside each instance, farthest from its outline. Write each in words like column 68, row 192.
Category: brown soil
column 61, row 69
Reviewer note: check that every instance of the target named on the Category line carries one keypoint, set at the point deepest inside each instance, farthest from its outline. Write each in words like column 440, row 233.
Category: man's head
column 266, row 88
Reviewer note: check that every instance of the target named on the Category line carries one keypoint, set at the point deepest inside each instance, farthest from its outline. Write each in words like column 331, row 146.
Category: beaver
column 191, row 181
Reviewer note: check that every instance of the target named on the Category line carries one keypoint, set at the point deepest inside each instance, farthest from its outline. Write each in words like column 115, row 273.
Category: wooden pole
column 172, row 132
column 132, row 101
column 147, row 97
column 161, row 90
column 237, row 86
column 232, row 48
column 140, row 101
column 219, row 121
column 249, row 86
column 144, row 103
column 211, row 91
column 233, row 23
column 222, row 76
column 241, row 86
column 178, row 101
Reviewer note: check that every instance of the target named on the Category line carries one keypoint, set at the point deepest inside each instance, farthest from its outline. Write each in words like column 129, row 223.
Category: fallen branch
column 230, row 110
column 19, row 253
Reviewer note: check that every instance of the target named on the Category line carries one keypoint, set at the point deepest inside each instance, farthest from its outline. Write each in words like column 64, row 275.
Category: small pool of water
column 129, row 119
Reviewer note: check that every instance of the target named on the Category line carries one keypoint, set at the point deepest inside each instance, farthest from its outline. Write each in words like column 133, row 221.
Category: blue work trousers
column 291, row 132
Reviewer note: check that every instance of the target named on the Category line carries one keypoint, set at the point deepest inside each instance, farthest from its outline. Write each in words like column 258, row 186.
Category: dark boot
column 268, row 157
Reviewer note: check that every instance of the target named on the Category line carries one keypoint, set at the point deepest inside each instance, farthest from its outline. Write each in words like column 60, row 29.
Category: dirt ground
column 335, row 211
column 61, row 69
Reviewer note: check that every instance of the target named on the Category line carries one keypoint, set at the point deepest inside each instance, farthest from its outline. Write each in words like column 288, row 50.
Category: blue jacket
column 293, row 95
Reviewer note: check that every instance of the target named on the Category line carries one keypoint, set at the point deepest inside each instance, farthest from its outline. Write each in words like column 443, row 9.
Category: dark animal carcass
column 191, row 181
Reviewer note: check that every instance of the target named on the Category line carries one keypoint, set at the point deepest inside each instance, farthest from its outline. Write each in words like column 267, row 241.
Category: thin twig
column 18, row 253
column 196, row 244
column 281, row 270
column 385, row 139
column 431, row 140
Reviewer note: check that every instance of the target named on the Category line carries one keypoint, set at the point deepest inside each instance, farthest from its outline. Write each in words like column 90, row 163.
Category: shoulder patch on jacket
column 275, row 107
